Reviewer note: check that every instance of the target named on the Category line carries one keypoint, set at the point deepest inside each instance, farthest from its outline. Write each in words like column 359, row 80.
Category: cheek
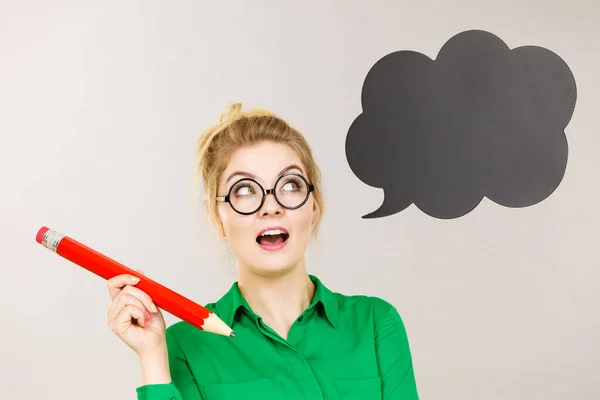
column 238, row 228
column 228, row 223
column 306, row 218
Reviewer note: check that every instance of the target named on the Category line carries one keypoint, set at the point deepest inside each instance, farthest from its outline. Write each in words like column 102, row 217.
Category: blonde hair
column 237, row 129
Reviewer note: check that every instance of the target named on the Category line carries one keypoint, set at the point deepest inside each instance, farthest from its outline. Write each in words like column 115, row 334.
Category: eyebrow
column 249, row 175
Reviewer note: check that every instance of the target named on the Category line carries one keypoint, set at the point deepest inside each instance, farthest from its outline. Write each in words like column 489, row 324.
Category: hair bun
column 234, row 110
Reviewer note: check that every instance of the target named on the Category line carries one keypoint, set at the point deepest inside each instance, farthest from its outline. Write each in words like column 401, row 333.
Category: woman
column 295, row 339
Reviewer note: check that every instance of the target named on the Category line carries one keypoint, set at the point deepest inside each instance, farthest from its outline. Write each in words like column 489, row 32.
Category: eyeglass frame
column 227, row 198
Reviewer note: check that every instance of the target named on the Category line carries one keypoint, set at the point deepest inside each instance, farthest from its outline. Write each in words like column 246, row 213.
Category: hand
column 133, row 317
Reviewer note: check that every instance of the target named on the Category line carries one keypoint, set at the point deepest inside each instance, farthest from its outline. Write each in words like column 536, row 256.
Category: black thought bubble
column 480, row 120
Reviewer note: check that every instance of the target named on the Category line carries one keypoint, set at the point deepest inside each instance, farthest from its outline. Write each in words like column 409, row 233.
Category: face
column 266, row 254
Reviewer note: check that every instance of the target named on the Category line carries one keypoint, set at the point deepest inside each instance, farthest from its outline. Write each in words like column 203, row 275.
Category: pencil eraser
column 40, row 234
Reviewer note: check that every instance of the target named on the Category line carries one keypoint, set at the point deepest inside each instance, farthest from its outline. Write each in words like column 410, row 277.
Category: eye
column 244, row 190
column 292, row 185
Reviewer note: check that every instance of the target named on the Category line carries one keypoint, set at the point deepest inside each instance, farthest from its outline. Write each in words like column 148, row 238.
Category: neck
column 278, row 299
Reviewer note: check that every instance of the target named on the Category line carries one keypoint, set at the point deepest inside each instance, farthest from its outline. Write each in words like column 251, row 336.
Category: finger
column 124, row 299
column 140, row 272
column 122, row 320
column 141, row 296
column 118, row 282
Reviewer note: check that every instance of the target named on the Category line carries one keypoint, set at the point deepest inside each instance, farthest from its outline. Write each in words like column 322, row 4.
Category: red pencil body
column 107, row 268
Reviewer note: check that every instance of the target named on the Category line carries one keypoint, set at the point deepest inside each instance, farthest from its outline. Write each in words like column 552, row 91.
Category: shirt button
column 300, row 319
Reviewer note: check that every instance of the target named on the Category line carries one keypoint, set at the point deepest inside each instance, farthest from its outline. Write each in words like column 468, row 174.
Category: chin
column 273, row 268
column 275, row 257
column 272, row 264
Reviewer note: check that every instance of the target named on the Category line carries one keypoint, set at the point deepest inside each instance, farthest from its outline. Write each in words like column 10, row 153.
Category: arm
column 394, row 358
column 158, row 370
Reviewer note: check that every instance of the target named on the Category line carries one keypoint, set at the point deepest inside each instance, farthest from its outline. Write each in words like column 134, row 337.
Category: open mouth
column 272, row 238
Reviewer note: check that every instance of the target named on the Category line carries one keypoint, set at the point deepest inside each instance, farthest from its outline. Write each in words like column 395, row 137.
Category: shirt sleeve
column 166, row 391
column 394, row 358
column 183, row 385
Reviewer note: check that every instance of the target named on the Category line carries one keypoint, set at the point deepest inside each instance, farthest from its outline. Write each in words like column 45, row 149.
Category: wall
column 101, row 107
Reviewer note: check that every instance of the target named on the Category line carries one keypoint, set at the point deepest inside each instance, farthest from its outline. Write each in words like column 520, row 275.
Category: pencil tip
column 232, row 334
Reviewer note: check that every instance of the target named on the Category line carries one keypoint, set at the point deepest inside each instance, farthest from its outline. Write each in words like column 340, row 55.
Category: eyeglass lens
column 246, row 195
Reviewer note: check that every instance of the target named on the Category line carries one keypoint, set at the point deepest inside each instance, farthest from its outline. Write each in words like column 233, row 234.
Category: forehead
column 264, row 160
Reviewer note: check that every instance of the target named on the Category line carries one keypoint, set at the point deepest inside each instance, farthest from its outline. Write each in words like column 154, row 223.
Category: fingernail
column 153, row 307
column 135, row 279
column 147, row 315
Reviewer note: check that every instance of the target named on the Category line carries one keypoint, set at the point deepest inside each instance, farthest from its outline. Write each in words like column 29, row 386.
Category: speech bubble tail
column 374, row 214
column 391, row 205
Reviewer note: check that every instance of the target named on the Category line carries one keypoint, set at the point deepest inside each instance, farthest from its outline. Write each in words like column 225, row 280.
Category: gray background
column 101, row 104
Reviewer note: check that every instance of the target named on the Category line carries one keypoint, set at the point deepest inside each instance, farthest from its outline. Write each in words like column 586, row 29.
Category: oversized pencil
column 107, row 268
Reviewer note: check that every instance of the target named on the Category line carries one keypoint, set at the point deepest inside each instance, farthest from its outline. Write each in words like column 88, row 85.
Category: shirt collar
column 327, row 299
column 227, row 307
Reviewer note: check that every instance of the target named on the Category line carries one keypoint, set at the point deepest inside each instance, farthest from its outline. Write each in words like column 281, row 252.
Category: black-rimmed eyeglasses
column 247, row 196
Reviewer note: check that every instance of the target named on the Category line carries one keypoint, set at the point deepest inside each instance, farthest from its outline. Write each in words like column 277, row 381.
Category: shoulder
column 178, row 333
column 378, row 310
column 181, row 332
column 179, row 328
column 363, row 302
column 380, row 315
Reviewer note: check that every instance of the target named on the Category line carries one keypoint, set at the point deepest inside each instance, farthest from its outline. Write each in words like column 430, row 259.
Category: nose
column 270, row 206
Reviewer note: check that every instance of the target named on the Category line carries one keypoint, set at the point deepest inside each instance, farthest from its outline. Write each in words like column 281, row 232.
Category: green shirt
column 340, row 347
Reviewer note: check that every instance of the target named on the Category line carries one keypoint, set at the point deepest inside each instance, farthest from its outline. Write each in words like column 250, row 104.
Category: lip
column 268, row 228
column 273, row 247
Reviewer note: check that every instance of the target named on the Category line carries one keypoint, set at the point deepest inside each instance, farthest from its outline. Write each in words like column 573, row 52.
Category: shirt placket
column 297, row 363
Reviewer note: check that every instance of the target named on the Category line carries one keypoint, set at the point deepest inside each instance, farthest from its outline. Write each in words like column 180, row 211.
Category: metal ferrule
column 51, row 239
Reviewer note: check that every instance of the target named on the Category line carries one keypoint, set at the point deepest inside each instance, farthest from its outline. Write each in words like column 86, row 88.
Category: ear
column 219, row 224
column 314, row 213
column 216, row 221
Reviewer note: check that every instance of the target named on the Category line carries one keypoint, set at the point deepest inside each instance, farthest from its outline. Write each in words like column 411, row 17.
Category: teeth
column 272, row 232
